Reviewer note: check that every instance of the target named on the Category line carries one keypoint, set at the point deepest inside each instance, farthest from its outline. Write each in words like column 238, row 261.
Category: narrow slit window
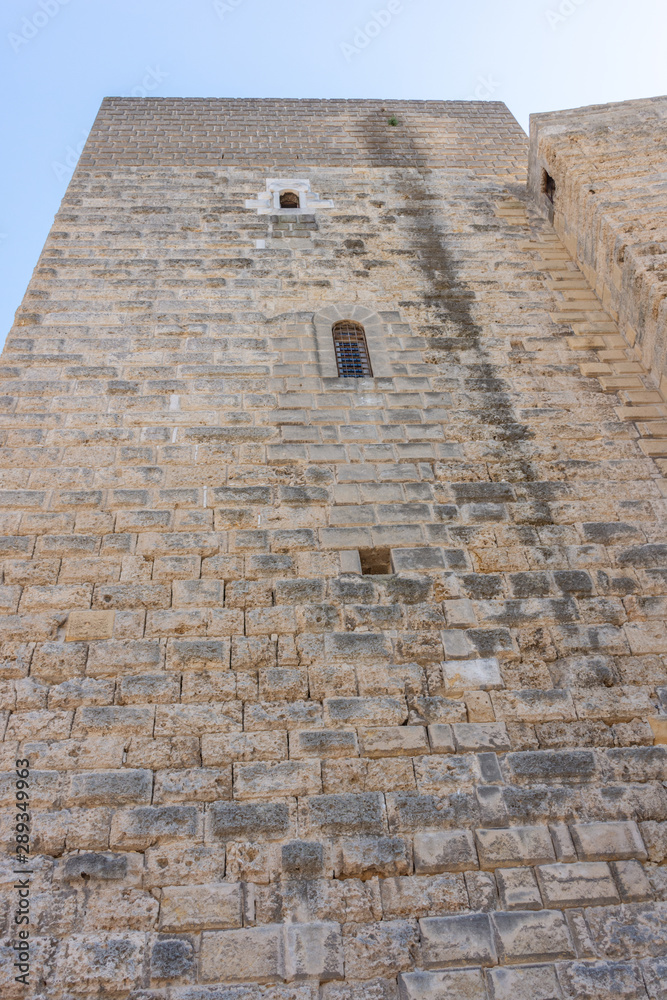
column 289, row 199
column 351, row 350
column 548, row 186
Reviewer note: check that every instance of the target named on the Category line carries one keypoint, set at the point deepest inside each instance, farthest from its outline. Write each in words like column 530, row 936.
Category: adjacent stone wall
column 610, row 209
column 256, row 774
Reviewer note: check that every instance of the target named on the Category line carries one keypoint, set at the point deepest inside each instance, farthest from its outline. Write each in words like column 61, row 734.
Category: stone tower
column 335, row 567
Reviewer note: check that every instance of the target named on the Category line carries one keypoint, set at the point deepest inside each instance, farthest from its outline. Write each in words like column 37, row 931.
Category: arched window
column 351, row 350
column 289, row 199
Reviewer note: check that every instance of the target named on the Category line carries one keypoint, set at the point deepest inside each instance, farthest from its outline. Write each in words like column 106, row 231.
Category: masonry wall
column 610, row 209
column 257, row 772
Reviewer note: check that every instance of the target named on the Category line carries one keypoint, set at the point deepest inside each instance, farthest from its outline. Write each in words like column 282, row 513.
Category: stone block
column 170, row 865
column 364, row 857
column 137, row 829
column 105, row 961
column 654, row 971
column 517, row 845
column 631, row 881
column 117, row 788
column 563, row 844
column 436, row 710
column 472, row 675
column 457, row 940
column 443, row 851
column 344, row 814
column 89, row 625
column 536, row 982
column 209, row 906
column 393, row 741
column 518, row 889
column 323, row 743
column 616, row 841
column 104, row 867
column 313, row 951
column 654, row 835
column 226, row 748
column 580, row 884
column 365, row 711
column 525, row 936
column 254, row 954
column 410, row 896
column 248, row 821
column 276, row 779
column 197, row 720
column 603, row 980
column 460, row 984
column 441, row 738
column 172, row 959
column 543, row 766
column 302, row 859
column 471, row 736
column 384, row 948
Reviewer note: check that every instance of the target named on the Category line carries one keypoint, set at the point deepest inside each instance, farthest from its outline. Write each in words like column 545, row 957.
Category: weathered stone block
column 345, row 814
column 526, row 845
column 532, row 937
column 602, row 980
column 462, row 984
column 472, row 675
column 254, row 954
column 537, row 982
column 89, row 625
column 243, row 821
column 608, row 841
column 172, row 959
column 472, row 736
column 313, row 950
column 381, row 949
column 393, row 741
column 446, row 850
column 460, row 940
column 363, row 857
column 209, row 906
column 518, row 889
column 582, row 884
column 137, row 829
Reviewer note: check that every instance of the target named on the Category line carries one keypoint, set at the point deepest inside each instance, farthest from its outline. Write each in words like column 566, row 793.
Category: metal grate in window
column 351, row 350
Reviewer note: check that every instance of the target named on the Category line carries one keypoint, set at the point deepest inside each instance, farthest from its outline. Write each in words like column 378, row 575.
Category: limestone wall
column 608, row 162
column 255, row 771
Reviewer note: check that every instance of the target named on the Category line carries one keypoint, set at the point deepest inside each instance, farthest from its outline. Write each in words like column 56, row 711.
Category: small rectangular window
column 351, row 350
column 375, row 562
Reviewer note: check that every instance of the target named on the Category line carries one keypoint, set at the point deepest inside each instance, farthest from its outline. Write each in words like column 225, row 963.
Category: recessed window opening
column 352, row 356
column 548, row 186
column 289, row 199
column 375, row 562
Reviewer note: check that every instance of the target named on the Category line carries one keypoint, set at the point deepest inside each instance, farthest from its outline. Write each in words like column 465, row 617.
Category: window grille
column 351, row 350
column 289, row 199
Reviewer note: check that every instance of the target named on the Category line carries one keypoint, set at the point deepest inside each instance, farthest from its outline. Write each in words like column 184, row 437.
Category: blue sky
column 61, row 57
